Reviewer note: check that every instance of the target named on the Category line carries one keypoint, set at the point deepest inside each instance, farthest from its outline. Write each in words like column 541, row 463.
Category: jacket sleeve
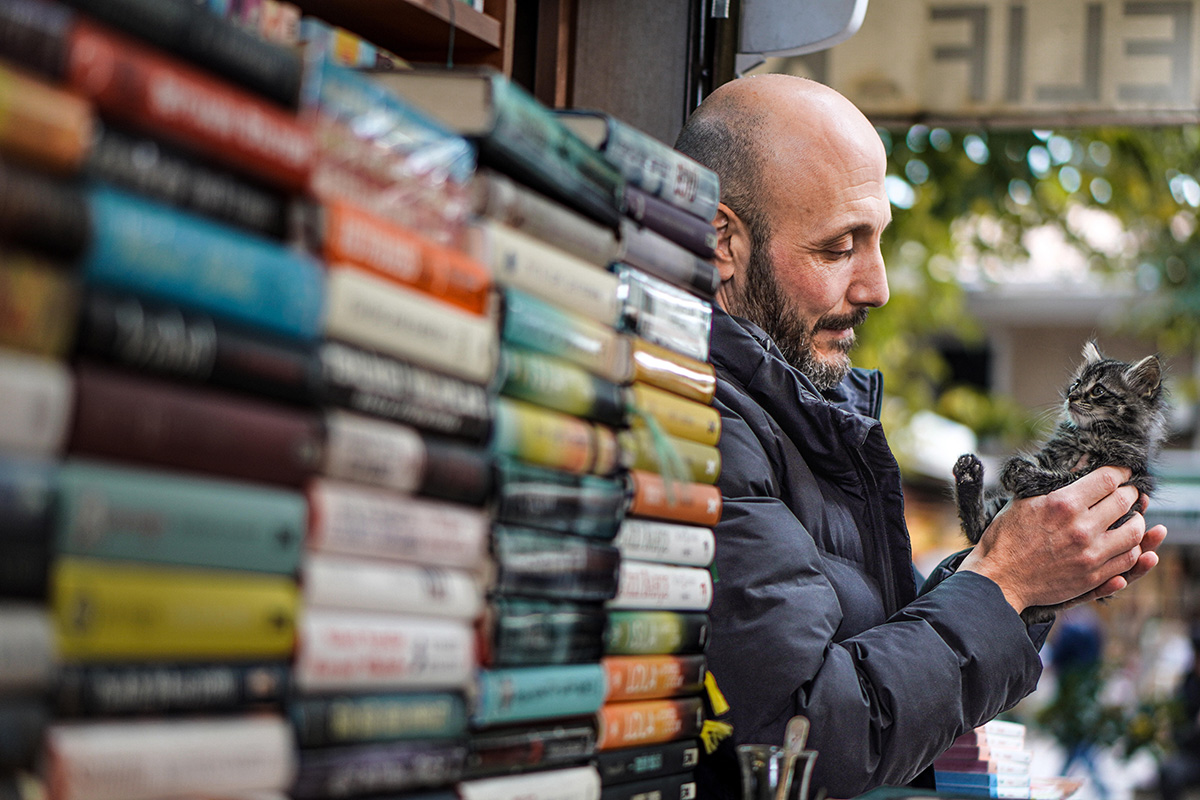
column 885, row 696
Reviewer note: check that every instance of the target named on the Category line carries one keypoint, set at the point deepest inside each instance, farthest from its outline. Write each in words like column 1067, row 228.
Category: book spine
column 665, row 542
column 34, row 34
column 681, row 786
column 39, row 305
column 363, row 450
column 518, row 694
column 664, row 259
column 677, row 415
column 229, row 274
column 177, row 519
column 522, row 262
column 377, row 768
column 663, row 313
column 168, row 758
column 536, row 325
column 525, row 632
column 42, row 125
column 112, row 611
column 361, row 585
column 642, row 450
column 27, row 649
column 353, row 235
column 649, row 632
column 189, row 428
column 551, row 439
column 663, row 586
column 557, row 744
column 381, row 386
column 652, row 677
column 135, row 85
column 189, row 346
column 363, row 521
column 356, row 651
column 146, row 167
column 642, row 763
column 525, row 133
column 572, row 783
column 553, row 565
column 696, row 503
column 43, row 214
column 497, row 197
column 191, row 33
column 543, row 498
column 28, row 496
column 671, row 371
column 371, row 312
column 36, row 395
column 560, row 385
column 361, row 718
column 662, row 171
column 120, row 689
column 644, row 722
column 695, row 234
column 23, row 723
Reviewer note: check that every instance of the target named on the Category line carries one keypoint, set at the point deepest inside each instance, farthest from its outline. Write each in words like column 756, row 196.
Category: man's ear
column 733, row 243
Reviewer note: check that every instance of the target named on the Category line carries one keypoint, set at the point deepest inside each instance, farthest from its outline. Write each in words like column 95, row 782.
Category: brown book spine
column 697, row 503
column 39, row 305
column 42, row 125
column 393, row 252
column 165, row 97
column 652, row 677
column 131, row 418
column 640, row 722
column 674, row 372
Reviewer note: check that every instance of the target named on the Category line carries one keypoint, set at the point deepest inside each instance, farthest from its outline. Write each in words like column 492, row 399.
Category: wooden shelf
column 419, row 30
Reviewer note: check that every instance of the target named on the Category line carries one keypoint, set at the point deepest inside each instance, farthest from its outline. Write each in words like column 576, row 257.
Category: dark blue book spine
column 695, row 234
column 586, row 505
column 157, row 251
column 27, row 498
column 374, row 769
column 553, row 565
column 42, row 214
column 23, row 722
column 559, row 743
column 668, row 787
column 642, row 763
column 115, row 689
column 527, row 632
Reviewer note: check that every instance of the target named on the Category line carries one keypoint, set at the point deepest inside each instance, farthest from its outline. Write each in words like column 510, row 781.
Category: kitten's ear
column 1145, row 377
column 1090, row 354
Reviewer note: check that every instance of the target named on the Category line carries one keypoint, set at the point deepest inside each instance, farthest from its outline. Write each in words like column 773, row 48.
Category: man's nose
column 870, row 286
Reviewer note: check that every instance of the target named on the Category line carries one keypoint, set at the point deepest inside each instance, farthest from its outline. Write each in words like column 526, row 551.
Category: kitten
column 1114, row 413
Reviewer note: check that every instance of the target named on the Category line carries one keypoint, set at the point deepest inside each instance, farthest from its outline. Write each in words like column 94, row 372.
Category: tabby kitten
column 1114, row 413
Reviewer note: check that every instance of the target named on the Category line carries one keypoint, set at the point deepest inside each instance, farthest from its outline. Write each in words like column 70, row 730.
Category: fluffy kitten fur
column 1114, row 413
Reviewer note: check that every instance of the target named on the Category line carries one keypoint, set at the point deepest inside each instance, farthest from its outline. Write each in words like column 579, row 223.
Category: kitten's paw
column 968, row 469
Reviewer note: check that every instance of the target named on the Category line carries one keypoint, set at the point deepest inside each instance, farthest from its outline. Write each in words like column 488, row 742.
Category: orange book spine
column 648, row 722
column 42, row 125
column 393, row 252
column 162, row 96
column 697, row 503
column 652, row 677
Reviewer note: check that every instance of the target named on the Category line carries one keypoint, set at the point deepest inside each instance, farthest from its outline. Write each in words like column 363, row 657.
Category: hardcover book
column 644, row 722
column 36, row 395
column 671, row 371
column 166, row 688
column 553, row 743
column 358, row 584
column 519, row 694
column 664, row 314
column 28, row 499
column 690, row 232
column 43, row 126
column 560, row 385
column 680, row 786
column 666, row 542
column 343, row 719
column 375, row 769
column 586, row 505
column 652, row 677
column 28, row 655
column 572, row 783
column 681, row 459
column 695, row 503
column 677, row 415
column 552, row 439
column 644, row 632
column 651, row 761
column 39, row 304
column 662, row 586
column 523, row 632
column 545, row 328
column 553, row 565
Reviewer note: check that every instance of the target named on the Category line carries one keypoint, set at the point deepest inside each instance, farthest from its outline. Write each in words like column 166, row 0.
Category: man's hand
column 1057, row 548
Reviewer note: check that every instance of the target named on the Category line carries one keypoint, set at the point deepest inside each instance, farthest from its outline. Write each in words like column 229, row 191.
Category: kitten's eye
column 1098, row 391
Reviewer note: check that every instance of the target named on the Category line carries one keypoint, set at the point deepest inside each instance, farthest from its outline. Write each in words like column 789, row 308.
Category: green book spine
column 351, row 719
column 560, row 385
column 655, row 632
column 168, row 518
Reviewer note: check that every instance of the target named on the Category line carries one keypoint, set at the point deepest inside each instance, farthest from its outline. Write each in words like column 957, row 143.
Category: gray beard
column 760, row 300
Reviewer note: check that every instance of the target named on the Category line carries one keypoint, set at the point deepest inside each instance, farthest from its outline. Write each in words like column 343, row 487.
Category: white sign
column 1082, row 61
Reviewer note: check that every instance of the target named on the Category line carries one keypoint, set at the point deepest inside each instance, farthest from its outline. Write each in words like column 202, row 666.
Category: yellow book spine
column 677, row 415
column 107, row 610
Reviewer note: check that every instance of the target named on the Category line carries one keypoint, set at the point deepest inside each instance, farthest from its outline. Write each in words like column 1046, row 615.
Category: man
column 816, row 609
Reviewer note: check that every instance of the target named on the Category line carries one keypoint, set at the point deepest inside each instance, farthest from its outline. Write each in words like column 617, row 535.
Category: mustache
column 838, row 322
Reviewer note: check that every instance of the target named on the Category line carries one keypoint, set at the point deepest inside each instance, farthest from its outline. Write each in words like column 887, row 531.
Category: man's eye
column 837, row 254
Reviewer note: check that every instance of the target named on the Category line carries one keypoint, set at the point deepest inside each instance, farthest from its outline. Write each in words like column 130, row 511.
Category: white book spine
column 666, row 542
column 364, row 521
column 576, row 783
column 523, row 262
column 329, row 581
column 662, row 587
column 27, row 652
column 143, row 760
column 351, row 650
column 36, row 395
column 663, row 313
column 365, row 450
column 368, row 311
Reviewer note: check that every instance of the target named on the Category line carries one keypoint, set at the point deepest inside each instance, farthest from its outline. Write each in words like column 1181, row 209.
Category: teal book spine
column 544, row 328
column 344, row 719
column 159, row 252
column 527, row 693
column 158, row 517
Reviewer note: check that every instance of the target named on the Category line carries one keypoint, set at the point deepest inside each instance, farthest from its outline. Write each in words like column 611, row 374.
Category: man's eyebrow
column 853, row 231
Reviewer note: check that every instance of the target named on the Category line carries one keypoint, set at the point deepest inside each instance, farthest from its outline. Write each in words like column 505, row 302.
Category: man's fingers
column 1098, row 484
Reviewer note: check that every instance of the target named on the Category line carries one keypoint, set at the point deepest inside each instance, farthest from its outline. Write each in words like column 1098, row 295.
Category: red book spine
column 681, row 501
column 134, row 84
column 147, row 421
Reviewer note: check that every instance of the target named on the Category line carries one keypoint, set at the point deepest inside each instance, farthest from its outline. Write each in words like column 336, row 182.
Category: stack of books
column 992, row 761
